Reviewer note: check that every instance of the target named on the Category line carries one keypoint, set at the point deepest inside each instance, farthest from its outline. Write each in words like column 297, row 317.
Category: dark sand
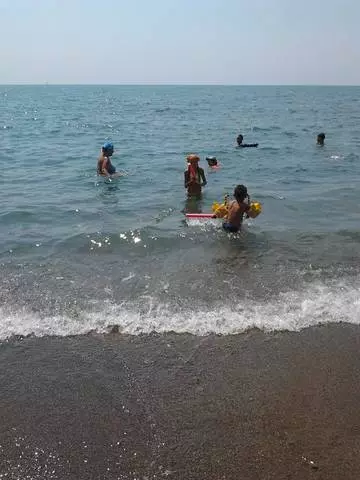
column 250, row 406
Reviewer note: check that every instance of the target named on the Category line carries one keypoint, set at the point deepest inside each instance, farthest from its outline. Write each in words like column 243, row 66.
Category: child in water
column 212, row 162
column 194, row 176
column 236, row 210
column 104, row 165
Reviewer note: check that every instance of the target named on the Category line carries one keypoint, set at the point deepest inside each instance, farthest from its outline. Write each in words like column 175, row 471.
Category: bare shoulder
column 233, row 205
column 244, row 207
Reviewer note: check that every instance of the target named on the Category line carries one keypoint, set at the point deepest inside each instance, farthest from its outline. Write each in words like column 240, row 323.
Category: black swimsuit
column 109, row 167
column 230, row 228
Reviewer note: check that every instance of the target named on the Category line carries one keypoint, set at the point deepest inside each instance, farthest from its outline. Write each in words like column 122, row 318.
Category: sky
column 237, row 42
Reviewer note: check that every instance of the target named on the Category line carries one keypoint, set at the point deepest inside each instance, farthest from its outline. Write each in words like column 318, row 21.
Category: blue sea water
column 79, row 253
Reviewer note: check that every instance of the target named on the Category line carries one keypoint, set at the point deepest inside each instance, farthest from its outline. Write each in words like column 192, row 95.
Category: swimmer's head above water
column 239, row 139
column 212, row 161
column 320, row 139
column 107, row 149
column 240, row 143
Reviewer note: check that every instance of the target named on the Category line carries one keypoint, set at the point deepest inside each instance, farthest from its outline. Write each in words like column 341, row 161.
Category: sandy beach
column 250, row 406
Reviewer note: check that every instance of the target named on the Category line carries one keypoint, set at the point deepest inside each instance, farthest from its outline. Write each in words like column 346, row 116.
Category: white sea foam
column 288, row 311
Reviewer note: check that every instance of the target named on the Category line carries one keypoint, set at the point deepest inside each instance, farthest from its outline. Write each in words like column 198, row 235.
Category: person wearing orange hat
column 194, row 176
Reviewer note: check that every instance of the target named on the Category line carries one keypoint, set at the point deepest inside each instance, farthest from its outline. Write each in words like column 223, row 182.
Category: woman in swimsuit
column 194, row 176
column 104, row 165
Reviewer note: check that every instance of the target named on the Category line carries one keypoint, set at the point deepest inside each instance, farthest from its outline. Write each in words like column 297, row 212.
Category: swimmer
column 194, row 176
column 236, row 210
column 320, row 140
column 239, row 140
column 104, row 165
column 212, row 161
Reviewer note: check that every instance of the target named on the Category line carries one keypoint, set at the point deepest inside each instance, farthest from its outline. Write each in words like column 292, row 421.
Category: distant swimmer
column 213, row 163
column 194, row 176
column 237, row 209
column 104, row 165
column 320, row 140
column 239, row 140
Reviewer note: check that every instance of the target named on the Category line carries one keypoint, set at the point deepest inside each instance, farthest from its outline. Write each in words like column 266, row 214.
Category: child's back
column 237, row 208
column 236, row 213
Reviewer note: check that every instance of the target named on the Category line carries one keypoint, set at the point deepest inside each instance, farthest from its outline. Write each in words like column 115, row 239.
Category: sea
column 84, row 259
column 81, row 254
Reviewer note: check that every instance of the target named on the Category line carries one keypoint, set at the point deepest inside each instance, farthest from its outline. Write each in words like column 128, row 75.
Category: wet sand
column 250, row 406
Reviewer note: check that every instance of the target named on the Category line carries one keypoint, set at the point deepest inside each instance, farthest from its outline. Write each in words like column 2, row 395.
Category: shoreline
column 253, row 405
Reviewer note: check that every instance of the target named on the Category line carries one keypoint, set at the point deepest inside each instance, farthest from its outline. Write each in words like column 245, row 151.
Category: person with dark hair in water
column 104, row 165
column 237, row 209
column 239, row 140
column 320, row 140
column 212, row 161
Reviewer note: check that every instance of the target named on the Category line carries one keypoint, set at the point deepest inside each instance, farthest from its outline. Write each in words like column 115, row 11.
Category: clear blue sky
column 180, row 41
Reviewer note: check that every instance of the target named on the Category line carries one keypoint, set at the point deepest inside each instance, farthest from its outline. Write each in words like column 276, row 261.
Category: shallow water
column 78, row 253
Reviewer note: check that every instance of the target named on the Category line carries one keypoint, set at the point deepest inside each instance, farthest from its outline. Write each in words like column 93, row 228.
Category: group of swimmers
column 107, row 169
column 194, row 180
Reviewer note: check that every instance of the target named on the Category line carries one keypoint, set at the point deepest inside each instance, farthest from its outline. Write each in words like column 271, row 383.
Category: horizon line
column 177, row 84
